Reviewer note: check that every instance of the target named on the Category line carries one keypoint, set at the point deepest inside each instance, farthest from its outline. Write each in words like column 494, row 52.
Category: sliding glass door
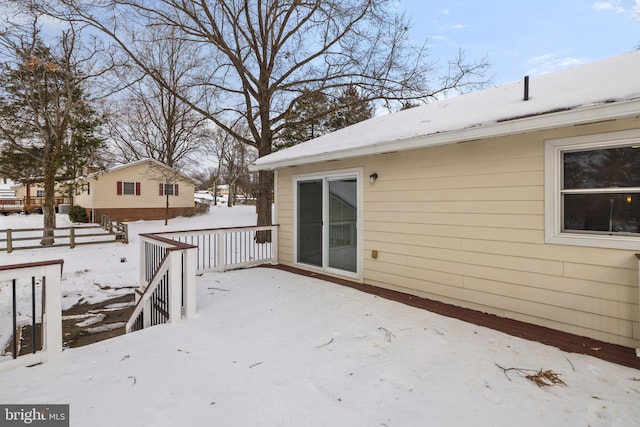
column 327, row 222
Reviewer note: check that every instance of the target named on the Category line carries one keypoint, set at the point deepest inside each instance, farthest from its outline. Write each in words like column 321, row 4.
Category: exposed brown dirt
column 78, row 336
column 102, row 321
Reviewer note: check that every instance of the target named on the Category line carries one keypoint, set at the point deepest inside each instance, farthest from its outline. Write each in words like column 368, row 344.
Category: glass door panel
column 342, row 232
column 310, row 222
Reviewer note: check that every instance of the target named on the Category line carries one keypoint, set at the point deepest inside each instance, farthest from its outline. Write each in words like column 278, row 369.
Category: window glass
column 604, row 168
column 343, row 218
column 129, row 188
column 310, row 222
column 609, row 213
column 168, row 189
column 601, row 190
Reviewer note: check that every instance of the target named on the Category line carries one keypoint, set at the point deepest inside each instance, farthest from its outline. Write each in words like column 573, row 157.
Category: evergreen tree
column 350, row 108
column 314, row 115
column 44, row 115
column 308, row 119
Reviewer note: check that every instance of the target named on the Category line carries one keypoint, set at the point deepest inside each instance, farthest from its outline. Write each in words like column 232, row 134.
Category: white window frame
column 325, row 177
column 124, row 193
column 553, row 189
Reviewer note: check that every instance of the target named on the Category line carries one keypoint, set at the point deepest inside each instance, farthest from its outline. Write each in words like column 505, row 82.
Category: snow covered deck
column 564, row 341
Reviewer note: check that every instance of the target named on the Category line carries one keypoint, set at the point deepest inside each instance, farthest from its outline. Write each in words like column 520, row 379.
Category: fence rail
column 34, row 305
column 115, row 227
column 29, row 238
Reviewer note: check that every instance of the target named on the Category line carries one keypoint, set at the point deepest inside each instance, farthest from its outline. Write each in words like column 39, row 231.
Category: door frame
column 325, row 176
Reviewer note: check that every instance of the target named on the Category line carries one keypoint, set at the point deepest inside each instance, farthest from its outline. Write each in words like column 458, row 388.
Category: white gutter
column 532, row 123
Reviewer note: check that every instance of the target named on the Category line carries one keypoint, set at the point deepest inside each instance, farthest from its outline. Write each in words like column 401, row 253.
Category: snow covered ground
column 268, row 348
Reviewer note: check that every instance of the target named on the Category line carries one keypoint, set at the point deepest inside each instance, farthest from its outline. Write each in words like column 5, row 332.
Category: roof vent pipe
column 526, row 88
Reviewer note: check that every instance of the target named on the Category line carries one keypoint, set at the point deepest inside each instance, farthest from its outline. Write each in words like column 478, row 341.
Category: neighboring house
column 30, row 196
column 6, row 189
column 136, row 191
column 9, row 203
column 35, row 189
column 526, row 209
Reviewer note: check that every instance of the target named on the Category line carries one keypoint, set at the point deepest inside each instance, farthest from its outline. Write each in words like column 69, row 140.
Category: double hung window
column 593, row 192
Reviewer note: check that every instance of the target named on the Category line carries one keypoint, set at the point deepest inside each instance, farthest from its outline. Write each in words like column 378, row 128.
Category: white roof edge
column 537, row 122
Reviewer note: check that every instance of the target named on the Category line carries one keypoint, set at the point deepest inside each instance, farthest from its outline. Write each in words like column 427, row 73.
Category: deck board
column 563, row 340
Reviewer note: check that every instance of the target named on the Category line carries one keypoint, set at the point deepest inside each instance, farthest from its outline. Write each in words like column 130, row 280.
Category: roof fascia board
column 591, row 114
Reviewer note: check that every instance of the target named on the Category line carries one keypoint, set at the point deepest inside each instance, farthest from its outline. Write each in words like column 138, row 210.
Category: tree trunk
column 263, row 204
column 265, row 186
column 48, row 207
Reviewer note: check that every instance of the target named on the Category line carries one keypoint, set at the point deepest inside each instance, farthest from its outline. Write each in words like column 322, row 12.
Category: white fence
column 41, row 311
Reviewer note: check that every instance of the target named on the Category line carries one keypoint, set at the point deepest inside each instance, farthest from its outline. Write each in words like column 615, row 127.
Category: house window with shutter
column 128, row 188
column 168, row 190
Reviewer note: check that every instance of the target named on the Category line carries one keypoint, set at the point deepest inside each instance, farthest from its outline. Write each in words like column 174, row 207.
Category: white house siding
column 464, row 224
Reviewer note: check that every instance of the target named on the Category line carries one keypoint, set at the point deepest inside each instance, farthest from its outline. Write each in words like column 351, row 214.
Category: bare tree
column 217, row 148
column 152, row 121
column 233, row 158
column 262, row 55
column 235, row 167
column 42, row 99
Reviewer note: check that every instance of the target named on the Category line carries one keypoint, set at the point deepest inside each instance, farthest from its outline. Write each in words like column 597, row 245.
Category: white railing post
column 52, row 312
column 274, row 245
column 189, row 283
column 51, row 273
column 175, row 286
column 221, row 248
column 146, row 313
column 143, row 264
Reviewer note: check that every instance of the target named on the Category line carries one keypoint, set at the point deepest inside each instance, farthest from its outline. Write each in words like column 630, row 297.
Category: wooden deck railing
column 167, row 291
column 35, row 305
column 222, row 249
column 28, row 204
column 170, row 261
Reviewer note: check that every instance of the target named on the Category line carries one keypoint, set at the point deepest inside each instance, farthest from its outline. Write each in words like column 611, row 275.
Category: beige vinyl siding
column 21, row 191
column 464, row 224
column 83, row 199
column 105, row 187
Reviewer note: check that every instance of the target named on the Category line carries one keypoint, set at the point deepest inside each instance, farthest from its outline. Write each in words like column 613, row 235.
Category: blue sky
column 526, row 37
